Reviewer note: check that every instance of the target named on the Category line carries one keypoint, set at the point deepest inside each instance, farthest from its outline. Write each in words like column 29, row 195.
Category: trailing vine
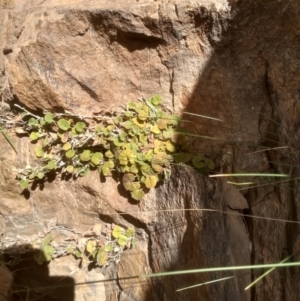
column 101, row 247
column 139, row 142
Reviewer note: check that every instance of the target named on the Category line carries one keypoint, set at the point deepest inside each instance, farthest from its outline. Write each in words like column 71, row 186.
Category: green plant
column 101, row 247
column 139, row 142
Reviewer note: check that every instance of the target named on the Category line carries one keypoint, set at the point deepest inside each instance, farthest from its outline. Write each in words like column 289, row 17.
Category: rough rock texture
column 237, row 61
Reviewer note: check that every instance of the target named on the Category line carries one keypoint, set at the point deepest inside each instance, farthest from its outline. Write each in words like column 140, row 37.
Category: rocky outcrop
column 236, row 62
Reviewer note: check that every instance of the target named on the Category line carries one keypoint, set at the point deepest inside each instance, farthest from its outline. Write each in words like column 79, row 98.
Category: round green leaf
column 67, row 146
column 106, row 170
column 78, row 254
column 117, row 142
column 63, row 124
column 109, row 154
column 97, row 158
column 142, row 115
column 170, row 147
column 128, row 125
column 80, row 126
column 49, row 117
column 51, row 165
column 32, row 176
column 198, row 161
column 85, row 156
column 90, row 247
column 101, row 256
column 70, row 249
column 118, row 120
column 122, row 240
column 158, row 168
column 146, row 170
column 84, row 172
column 182, row 157
column 151, row 181
column 24, row 184
column 48, row 251
column 133, row 169
column 138, row 122
column 127, row 181
column 109, row 248
column 40, row 175
column 32, row 122
column 128, row 114
column 39, row 151
column 34, row 136
column 209, row 163
column 130, row 232
column 155, row 129
column 70, row 168
column 110, row 164
column 156, row 100
column 117, row 231
column 70, row 153
column 137, row 194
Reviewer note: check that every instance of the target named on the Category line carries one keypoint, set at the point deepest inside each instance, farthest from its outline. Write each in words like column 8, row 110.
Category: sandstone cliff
column 234, row 60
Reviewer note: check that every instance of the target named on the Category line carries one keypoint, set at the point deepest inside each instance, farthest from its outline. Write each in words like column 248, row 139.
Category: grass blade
column 265, row 274
column 6, row 136
column 250, row 175
column 222, row 269
column 203, row 116
column 204, row 283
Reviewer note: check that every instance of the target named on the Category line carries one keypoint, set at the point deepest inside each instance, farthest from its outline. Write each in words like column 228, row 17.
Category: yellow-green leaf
column 85, row 156
column 130, row 232
column 155, row 129
column 39, row 151
column 122, row 240
column 34, row 136
column 63, row 124
column 151, row 181
column 90, row 246
column 117, row 231
column 70, row 153
column 96, row 158
column 127, row 181
column 137, row 194
column 101, row 256
column 67, row 146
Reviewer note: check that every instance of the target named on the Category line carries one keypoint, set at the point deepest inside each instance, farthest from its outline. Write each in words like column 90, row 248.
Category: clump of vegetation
column 101, row 247
column 139, row 143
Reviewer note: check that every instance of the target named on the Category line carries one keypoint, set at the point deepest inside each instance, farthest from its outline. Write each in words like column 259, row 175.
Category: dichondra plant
column 139, row 142
column 100, row 246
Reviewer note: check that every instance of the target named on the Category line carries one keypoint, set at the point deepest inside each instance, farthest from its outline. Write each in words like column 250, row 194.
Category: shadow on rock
column 31, row 279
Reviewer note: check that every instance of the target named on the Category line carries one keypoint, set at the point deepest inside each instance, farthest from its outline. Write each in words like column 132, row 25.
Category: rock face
column 236, row 61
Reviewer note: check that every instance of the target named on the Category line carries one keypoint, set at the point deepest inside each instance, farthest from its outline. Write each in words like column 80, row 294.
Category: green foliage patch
column 139, row 143
column 101, row 247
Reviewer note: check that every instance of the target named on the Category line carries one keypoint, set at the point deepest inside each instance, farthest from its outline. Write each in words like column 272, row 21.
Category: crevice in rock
column 119, row 287
column 137, row 41
column 176, row 10
column 132, row 220
column 88, row 90
column 84, row 87
column 129, row 35
column 172, row 88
